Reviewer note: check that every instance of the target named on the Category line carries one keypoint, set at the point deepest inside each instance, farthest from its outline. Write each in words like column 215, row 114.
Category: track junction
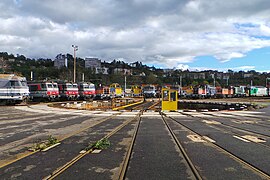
column 144, row 144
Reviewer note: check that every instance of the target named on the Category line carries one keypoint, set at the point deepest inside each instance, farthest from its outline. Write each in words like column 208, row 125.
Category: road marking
column 242, row 139
column 211, row 122
column 209, row 139
column 195, row 138
column 96, row 151
column 253, row 138
column 50, row 147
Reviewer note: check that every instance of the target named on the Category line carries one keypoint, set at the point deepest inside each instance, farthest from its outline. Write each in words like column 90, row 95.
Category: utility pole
column 125, row 85
column 75, row 48
column 213, row 76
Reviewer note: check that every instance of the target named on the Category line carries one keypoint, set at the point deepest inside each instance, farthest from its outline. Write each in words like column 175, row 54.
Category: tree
column 205, row 82
column 151, row 79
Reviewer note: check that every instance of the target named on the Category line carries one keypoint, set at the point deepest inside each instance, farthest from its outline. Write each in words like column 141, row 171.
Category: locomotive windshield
column 50, row 85
column 75, row 85
column 91, row 86
column 15, row 84
column 148, row 88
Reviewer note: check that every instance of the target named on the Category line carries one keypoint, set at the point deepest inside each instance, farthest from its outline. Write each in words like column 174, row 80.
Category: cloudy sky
column 193, row 34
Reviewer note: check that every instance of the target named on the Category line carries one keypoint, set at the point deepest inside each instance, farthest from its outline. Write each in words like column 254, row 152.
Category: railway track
column 65, row 137
column 124, row 165
column 258, row 170
column 75, row 159
column 238, row 130
column 59, row 170
column 184, row 153
column 144, row 106
column 86, row 162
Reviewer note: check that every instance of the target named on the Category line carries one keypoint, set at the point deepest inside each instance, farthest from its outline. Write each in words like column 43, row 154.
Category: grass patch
column 104, row 143
column 44, row 144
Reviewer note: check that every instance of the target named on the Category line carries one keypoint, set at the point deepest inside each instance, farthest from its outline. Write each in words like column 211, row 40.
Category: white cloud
column 158, row 32
column 182, row 67
column 240, row 68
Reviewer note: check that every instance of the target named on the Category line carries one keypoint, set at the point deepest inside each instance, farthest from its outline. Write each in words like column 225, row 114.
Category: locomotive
column 43, row 91
column 86, row 90
column 13, row 89
column 68, row 90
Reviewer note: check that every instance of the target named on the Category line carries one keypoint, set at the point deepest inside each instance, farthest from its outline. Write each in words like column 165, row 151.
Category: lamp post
column 75, row 48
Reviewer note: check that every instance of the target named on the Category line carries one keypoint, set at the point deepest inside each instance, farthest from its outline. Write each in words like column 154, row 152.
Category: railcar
column 103, row 92
column 149, row 91
column 40, row 91
column 56, row 90
column 86, row 90
column 224, row 92
column 116, row 90
column 258, row 91
column 199, row 92
column 13, row 89
column 68, row 91
column 136, row 90
column 239, row 91
column 186, row 92
column 204, row 91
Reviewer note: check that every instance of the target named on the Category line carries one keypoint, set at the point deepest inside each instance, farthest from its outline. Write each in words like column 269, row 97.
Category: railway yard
column 135, row 142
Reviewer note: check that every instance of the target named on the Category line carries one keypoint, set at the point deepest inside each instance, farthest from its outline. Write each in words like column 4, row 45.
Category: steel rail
column 232, row 155
column 61, row 169
column 143, row 106
column 236, row 128
column 124, row 165
column 26, row 154
column 181, row 148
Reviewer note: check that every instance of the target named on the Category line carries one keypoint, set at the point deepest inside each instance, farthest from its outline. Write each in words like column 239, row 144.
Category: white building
column 102, row 70
column 60, row 61
column 92, row 63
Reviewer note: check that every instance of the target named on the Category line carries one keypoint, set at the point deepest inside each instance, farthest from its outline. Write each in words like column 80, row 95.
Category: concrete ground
column 220, row 145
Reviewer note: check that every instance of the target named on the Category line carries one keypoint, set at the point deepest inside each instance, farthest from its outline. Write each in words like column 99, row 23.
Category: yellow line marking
column 18, row 157
column 122, row 107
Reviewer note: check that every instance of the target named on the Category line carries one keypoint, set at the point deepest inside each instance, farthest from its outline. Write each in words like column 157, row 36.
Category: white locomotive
column 13, row 89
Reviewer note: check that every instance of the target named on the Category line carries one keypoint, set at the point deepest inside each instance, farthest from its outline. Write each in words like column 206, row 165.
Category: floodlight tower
column 75, row 48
